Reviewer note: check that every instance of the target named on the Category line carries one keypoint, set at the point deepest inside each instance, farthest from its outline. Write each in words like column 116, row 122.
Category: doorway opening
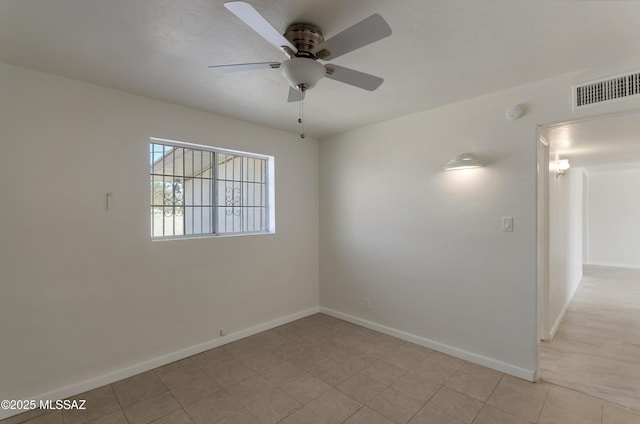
column 589, row 256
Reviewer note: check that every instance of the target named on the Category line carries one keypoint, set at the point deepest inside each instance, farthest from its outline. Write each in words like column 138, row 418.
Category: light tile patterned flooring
column 597, row 347
column 321, row 370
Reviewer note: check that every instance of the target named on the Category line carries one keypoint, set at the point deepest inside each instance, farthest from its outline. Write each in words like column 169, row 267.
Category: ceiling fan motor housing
column 306, row 38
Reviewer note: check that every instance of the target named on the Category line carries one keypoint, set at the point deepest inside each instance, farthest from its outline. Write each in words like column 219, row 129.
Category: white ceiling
column 603, row 143
column 441, row 51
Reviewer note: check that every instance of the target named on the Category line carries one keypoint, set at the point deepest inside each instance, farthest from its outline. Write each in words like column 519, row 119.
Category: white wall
column 425, row 245
column 614, row 211
column 565, row 242
column 85, row 292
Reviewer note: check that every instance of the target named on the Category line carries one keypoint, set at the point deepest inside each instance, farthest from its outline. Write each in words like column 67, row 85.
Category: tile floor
column 321, row 370
column 597, row 347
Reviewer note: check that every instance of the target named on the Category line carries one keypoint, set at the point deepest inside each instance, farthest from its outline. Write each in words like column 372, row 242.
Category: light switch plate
column 507, row 223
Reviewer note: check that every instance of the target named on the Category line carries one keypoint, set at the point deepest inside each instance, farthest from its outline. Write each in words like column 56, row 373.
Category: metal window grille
column 197, row 192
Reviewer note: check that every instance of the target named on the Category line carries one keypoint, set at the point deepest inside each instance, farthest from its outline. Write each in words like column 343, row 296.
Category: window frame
column 269, row 207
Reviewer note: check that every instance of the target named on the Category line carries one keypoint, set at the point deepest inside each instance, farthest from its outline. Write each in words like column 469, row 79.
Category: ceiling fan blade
column 352, row 77
column 365, row 32
column 295, row 95
column 250, row 16
column 245, row 67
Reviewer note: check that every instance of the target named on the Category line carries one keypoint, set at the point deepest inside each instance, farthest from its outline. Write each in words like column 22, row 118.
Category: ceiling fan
column 304, row 44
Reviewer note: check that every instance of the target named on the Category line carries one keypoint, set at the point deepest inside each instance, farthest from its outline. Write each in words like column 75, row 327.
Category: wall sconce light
column 463, row 161
column 562, row 166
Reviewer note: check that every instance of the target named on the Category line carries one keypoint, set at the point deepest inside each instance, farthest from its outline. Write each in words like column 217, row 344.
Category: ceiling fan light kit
column 302, row 74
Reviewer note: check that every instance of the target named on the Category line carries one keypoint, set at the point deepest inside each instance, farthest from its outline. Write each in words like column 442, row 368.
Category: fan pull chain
column 301, row 118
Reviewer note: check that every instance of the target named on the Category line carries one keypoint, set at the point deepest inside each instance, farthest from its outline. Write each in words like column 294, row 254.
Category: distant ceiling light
column 513, row 112
column 562, row 167
column 463, row 161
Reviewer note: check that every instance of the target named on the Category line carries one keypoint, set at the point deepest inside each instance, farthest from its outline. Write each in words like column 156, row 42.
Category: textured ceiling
column 441, row 51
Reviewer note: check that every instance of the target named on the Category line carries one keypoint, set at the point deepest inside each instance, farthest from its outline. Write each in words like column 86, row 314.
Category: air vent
column 605, row 90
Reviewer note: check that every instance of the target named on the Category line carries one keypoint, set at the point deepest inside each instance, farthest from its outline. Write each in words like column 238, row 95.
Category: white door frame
column 543, row 238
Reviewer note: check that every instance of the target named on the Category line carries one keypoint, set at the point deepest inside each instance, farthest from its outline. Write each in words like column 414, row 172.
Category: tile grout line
column 486, row 402
column 544, row 402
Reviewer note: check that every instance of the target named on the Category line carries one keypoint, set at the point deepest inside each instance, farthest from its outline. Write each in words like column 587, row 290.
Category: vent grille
column 607, row 89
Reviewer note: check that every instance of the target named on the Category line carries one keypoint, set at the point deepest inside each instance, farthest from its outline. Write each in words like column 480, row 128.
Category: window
column 201, row 191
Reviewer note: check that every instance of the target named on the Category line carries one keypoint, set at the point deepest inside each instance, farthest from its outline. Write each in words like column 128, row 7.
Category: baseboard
column 565, row 307
column 556, row 324
column 102, row 380
column 440, row 347
column 614, row 265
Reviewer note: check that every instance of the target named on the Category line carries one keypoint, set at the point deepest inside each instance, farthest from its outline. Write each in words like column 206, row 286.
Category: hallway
column 597, row 347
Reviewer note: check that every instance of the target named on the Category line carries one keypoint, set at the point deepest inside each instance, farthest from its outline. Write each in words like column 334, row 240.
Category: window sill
column 211, row 236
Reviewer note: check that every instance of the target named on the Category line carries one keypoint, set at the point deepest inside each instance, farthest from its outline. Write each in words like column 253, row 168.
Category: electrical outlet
column 367, row 303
